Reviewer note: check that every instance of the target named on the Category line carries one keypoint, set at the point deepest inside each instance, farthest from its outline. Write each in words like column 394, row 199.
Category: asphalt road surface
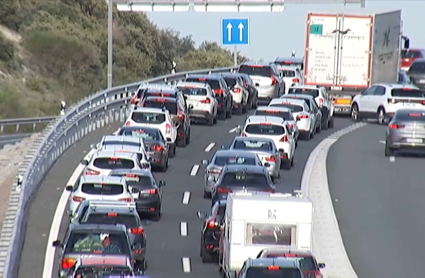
column 166, row 247
column 380, row 205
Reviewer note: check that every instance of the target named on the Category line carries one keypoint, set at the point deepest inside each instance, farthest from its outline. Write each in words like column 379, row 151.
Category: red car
column 310, row 267
column 409, row 55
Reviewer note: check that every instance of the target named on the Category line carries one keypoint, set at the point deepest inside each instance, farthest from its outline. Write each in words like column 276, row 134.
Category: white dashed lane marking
column 186, row 264
column 183, row 229
column 186, row 197
column 194, row 170
column 209, row 147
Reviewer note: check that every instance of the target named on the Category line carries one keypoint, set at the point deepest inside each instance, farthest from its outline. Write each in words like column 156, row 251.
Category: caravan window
column 271, row 234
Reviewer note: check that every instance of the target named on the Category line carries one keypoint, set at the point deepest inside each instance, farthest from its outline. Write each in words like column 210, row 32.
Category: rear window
column 128, row 220
column 265, row 129
column 149, row 134
column 93, row 242
column 103, row 271
column 160, row 94
column 407, row 93
column 214, row 84
column 271, row 272
column 284, row 115
column 294, row 108
column 144, row 117
column 137, row 180
column 306, row 262
column 225, row 160
column 120, row 143
column 193, row 91
column 418, row 67
column 113, row 163
column 231, row 82
column 311, row 92
column 252, row 145
column 287, row 73
column 245, row 179
column 289, row 63
column 410, row 54
column 102, row 189
column 264, row 71
column 171, row 106
column 406, row 116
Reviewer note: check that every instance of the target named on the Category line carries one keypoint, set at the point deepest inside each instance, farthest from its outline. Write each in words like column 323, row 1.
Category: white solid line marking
column 392, row 159
column 233, row 130
column 194, row 170
column 183, row 229
column 186, row 197
column 209, row 147
column 383, row 142
column 186, row 264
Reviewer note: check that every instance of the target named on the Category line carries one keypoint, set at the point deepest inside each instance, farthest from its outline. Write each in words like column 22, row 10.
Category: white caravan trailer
column 258, row 220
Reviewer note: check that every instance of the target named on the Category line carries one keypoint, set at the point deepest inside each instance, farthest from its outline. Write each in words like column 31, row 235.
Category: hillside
column 52, row 50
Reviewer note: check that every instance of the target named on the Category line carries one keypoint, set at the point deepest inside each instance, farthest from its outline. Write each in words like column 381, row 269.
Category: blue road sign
column 235, row 31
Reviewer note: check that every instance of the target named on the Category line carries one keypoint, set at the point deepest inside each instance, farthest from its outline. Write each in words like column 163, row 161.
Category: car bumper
column 402, row 143
column 267, row 92
column 303, row 126
column 201, row 115
column 342, row 109
column 148, row 205
column 157, row 158
column 237, row 98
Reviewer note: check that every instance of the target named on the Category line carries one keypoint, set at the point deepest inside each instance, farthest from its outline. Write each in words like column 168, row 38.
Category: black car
column 155, row 144
column 416, row 73
column 145, row 189
column 241, row 178
column 211, row 231
column 92, row 239
column 179, row 113
column 116, row 212
column 253, row 92
column 159, row 90
column 220, row 89
column 235, row 84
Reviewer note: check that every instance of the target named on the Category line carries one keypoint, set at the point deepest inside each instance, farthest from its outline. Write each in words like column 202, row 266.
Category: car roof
column 122, row 138
column 253, row 138
column 282, row 109
column 193, row 84
column 135, row 127
column 264, row 119
column 287, row 250
column 139, row 172
column 116, row 260
column 149, row 110
column 397, row 86
column 255, row 63
column 244, row 168
column 235, row 152
column 206, row 76
column 290, row 100
column 167, row 99
column 157, row 87
column 299, row 96
column 102, row 227
column 291, row 68
column 229, row 74
column 101, row 179
column 301, row 86
column 274, row 262
column 117, row 154
column 290, row 59
column 410, row 111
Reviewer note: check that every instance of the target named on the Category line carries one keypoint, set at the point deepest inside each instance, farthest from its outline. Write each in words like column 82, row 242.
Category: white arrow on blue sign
column 235, row 31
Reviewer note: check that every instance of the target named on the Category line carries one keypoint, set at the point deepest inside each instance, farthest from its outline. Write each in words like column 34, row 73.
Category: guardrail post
column 17, row 127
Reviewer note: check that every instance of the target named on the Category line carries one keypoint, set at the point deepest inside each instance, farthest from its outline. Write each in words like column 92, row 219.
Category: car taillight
column 136, row 231
column 77, row 199
column 168, row 128
column 237, row 90
column 212, row 224
column 271, row 159
column 296, row 80
column 274, row 80
column 218, row 91
column 223, row 190
column 291, row 126
column 181, row 116
column 128, row 200
column 321, row 101
column 90, row 172
column 158, row 148
column 213, row 171
column 243, row 134
column 395, row 126
column 303, row 116
column 127, row 123
column 284, row 138
column 207, row 100
column 423, row 102
column 149, row 191
column 67, row 263
column 134, row 100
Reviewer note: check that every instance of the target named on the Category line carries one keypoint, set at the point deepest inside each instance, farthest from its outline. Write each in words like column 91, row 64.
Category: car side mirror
column 162, row 183
column 57, row 243
column 297, row 119
column 205, row 162
column 211, row 178
column 190, row 106
column 321, row 265
column 266, row 164
column 168, row 140
column 257, row 84
column 134, row 190
column 281, row 150
column 84, row 162
column 201, row 214
column 69, row 188
column 146, row 222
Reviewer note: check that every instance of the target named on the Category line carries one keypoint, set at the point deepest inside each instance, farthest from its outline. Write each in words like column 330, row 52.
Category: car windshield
column 265, row 129
column 146, row 117
column 171, row 106
column 97, row 242
column 189, row 91
column 252, row 145
column 272, row 272
column 287, row 73
column 102, row 188
column 214, row 83
column 226, row 160
column 128, row 220
column 287, row 116
column 111, row 163
column 149, row 134
column 294, row 108
column 406, row 53
column 264, row 71
column 409, row 116
column 306, row 262
column 103, row 272
column 134, row 180
column 245, row 179
column 407, row 92
column 302, row 91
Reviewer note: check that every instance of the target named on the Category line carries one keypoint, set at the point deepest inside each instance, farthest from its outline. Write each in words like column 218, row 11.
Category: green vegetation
column 57, row 49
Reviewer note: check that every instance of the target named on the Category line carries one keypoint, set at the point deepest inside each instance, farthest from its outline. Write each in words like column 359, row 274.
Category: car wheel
column 388, row 151
column 229, row 113
column 172, row 151
column 239, row 111
column 292, row 161
column 188, row 138
column 157, row 215
column 206, row 258
column 215, row 119
column 182, row 142
column 207, row 195
column 210, row 121
column 287, row 165
column 222, row 116
column 331, row 122
column 245, row 108
column 164, row 167
column 319, row 128
column 381, row 116
column 355, row 116
column 325, row 125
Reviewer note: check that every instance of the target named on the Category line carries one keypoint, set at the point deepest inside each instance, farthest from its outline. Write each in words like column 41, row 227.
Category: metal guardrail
column 84, row 117
column 19, row 122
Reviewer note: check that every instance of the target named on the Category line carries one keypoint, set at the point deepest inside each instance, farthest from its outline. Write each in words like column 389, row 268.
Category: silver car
column 266, row 79
column 225, row 157
column 406, row 131
column 265, row 148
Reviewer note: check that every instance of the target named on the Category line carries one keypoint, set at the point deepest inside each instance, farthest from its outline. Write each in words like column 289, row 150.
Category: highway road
column 380, row 205
column 166, row 245
column 12, row 138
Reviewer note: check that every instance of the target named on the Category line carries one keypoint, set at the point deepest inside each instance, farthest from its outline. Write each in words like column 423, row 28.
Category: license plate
column 408, row 104
column 413, row 140
column 342, row 101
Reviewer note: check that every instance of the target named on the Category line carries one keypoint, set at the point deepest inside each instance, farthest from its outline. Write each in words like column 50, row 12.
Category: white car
column 158, row 118
column 306, row 119
column 274, row 128
column 239, row 92
column 201, row 97
column 381, row 101
column 291, row 76
column 103, row 162
column 282, row 112
column 98, row 188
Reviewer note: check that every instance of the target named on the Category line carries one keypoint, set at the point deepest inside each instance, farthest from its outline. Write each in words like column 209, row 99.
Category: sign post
column 235, row 31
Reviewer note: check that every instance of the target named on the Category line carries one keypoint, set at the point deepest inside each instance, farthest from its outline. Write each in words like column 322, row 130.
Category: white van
column 257, row 220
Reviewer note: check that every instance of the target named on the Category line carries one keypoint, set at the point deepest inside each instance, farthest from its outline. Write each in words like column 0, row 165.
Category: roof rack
column 111, row 204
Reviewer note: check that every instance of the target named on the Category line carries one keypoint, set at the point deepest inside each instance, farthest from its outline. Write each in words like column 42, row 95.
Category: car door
column 364, row 100
column 291, row 138
column 377, row 99
column 316, row 111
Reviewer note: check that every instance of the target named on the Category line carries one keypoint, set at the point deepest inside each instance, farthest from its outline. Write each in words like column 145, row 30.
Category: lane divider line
column 392, row 158
column 186, row 197
column 49, row 257
column 209, row 147
column 233, row 130
column 194, row 170
column 186, row 264
column 183, row 228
